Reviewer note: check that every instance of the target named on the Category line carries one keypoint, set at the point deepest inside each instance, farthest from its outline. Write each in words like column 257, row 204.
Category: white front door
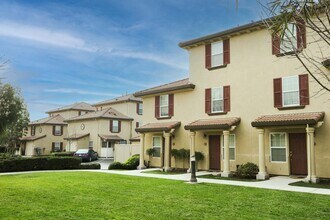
column 107, row 149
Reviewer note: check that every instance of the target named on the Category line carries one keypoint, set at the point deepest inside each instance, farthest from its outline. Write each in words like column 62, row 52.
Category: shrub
column 247, row 170
column 150, row 152
column 63, row 154
column 7, row 156
column 130, row 164
column 39, row 163
column 199, row 156
column 94, row 166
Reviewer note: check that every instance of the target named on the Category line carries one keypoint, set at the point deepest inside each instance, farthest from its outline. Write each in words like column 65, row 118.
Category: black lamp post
column 193, row 178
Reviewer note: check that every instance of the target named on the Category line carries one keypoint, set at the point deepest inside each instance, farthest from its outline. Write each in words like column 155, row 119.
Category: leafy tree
column 14, row 116
column 315, row 14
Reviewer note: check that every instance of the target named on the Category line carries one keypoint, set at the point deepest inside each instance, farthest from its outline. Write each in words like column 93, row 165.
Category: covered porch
column 291, row 144
column 214, row 129
column 162, row 131
column 108, row 145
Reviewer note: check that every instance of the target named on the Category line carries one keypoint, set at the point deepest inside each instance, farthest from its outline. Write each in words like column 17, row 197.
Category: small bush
column 130, row 164
column 63, row 154
column 247, row 170
column 39, row 163
column 94, row 166
column 199, row 156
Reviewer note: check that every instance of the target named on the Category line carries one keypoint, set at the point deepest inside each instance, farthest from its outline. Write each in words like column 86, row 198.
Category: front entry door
column 298, row 153
column 214, row 151
column 107, row 149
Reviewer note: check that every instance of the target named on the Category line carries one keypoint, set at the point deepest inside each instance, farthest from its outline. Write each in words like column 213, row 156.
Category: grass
column 323, row 184
column 173, row 172
column 89, row 195
column 210, row 176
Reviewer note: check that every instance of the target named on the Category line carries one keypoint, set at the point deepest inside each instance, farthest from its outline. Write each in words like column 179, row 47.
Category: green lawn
column 174, row 172
column 324, row 184
column 87, row 195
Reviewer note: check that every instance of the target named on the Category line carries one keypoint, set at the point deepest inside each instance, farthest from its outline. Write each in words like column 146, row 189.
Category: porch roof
column 136, row 138
column 158, row 127
column 110, row 137
column 32, row 138
column 311, row 118
column 216, row 123
column 76, row 136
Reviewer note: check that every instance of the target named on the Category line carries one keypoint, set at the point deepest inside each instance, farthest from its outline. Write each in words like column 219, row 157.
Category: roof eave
column 188, row 86
column 284, row 123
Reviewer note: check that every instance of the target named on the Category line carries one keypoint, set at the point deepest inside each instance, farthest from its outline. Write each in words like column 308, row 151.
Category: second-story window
column 290, row 91
column 217, row 100
column 115, row 126
column 217, row 54
column 139, row 108
column 57, row 130
column 33, row 130
column 289, row 40
column 163, row 105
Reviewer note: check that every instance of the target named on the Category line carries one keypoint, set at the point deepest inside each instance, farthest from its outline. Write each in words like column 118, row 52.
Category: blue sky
column 67, row 51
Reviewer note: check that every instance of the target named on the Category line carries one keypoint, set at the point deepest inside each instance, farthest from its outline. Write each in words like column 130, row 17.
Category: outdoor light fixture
column 193, row 178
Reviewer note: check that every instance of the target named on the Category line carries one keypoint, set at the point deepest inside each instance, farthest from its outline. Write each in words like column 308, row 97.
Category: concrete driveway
column 105, row 162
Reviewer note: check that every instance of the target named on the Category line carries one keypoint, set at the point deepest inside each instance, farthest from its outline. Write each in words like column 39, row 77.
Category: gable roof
column 169, row 87
column 125, row 98
column 75, row 106
column 214, row 123
column 31, row 138
column 53, row 120
column 105, row 113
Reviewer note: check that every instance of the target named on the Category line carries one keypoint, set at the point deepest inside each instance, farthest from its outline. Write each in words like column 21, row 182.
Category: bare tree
column 286, row 18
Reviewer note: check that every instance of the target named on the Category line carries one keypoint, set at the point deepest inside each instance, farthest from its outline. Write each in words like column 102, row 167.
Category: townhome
column 127, row 104
column 48, row 134
column 99, row 130
column 246, row 100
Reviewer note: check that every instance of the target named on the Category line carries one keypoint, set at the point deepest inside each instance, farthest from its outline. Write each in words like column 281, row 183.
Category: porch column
column 226, row 162
column 192, row 146
column 167, row 152
column 262, row 175
column 141, row 165
column 311, row 156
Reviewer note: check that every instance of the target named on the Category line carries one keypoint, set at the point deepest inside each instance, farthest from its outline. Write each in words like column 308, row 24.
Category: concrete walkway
column 275, row 183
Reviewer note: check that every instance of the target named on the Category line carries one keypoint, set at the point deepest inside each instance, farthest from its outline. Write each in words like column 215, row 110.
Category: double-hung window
column 140, row 108
column 57, row 146
column 156, row 145
column 289, row 40
column 164, row 106
column 290, row 91
column 115, row 126
column 58, row 130
column 278, row 147
column 217, row 100
column 232, row 146
column 217, row 54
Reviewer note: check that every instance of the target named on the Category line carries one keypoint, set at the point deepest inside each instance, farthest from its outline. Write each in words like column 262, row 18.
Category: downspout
column 309, row 153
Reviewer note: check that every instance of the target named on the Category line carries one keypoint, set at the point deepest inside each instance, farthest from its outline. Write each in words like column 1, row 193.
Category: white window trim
column 113, row 127
column 222, row 147
column 140, row 105
column 59, row 146
column 161, row 143
column 160, row 106
column 58, row 132
column 214, row 54
column 286, row 147
column 221, row 88
column 286, row 77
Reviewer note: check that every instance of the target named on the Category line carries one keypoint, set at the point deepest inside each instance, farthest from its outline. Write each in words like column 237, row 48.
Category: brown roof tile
column 75, row 106
column 216, row 123
column 310, row 118
column 31, row 138
column 158, row 127
column 76, row 136
column 169, row 87
column 125, row 98
column 110, row 137
column 54, row 120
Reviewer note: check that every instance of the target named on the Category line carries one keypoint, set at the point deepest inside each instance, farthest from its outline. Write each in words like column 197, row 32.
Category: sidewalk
column 275, row 183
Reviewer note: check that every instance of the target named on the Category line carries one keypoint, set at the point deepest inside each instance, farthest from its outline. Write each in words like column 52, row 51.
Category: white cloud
column 43, row 35
column 79, row 91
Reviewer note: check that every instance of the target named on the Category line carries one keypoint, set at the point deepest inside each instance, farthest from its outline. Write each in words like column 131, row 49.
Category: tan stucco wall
column 128, row 109
column 250, row 76
column 95, row 127
column 46, row 142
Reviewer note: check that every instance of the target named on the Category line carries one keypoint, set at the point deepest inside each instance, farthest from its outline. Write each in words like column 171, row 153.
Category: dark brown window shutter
column 62, row 130
column 53, row 129
column 303, row 89
column 276, row 42
column 226, row 51
column 61, row 146
column 301, row 34
column 119, row 126
column 208, row 101
column 53, row 146
column 157, row 106
column 208, row 56
column 277, row 92
column 226, row 98
column 171, row 104
column 110, row 125
column 136, row 124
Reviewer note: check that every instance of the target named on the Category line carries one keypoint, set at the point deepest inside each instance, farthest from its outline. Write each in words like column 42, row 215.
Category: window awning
column 216, row 123
column 110, row 137
column 31, row 138
column 311, row 118
column 76, row 136
column 158, row 127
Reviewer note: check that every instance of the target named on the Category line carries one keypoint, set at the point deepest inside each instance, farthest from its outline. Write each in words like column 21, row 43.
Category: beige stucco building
column 246, row 100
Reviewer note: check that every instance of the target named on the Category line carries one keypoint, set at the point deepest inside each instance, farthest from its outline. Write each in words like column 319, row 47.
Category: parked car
column 86, row 154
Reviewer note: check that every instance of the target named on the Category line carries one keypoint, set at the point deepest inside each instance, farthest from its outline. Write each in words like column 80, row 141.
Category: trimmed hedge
column 39, row 163
column 130, row 164
column 63, row 154
column 92, row 166
column 248, row 170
